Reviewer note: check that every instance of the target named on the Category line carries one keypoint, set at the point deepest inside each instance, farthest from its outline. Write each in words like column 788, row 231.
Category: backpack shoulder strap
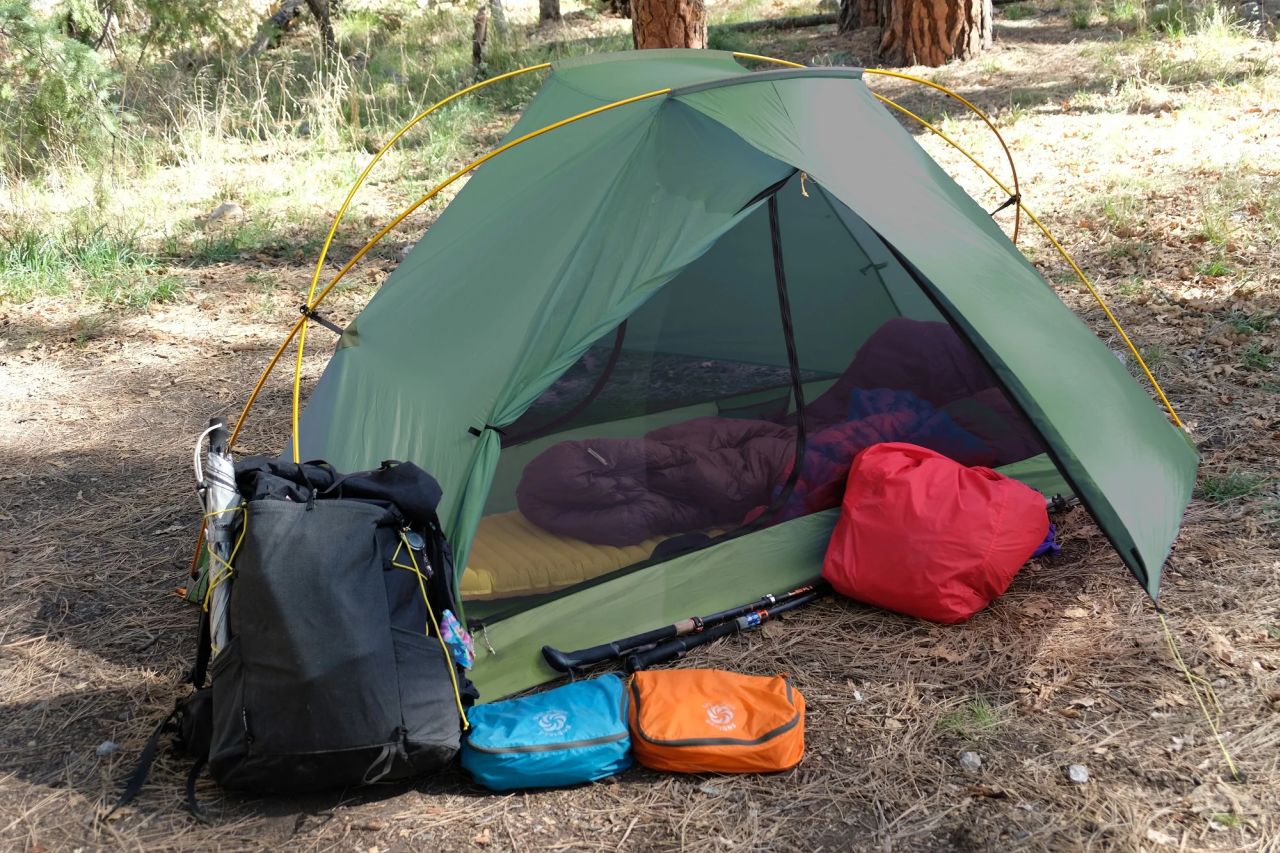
column 204, row 651
column 140, row 773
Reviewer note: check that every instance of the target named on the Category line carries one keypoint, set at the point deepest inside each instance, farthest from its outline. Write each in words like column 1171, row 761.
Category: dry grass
column 1166, row 192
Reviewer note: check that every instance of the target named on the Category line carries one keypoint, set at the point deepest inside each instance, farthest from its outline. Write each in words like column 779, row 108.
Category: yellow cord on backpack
column 1208, row 695
column 444, row 647
column 224, row 567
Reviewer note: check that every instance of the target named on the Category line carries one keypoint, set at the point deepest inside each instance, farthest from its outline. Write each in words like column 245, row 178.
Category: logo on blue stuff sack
column 552, row 722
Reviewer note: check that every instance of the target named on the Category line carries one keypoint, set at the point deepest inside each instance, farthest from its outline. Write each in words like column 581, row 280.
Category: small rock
column 971, row 762
column 406, row 249
column 107, row 747
column 1078, row 773
column 710, row 790
column 226, row 210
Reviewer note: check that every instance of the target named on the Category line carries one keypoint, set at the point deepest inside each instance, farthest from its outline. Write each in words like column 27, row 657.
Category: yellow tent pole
column 244, row 413
column 299, row 327
column 956, row 145
column 1017, row 193
column 1066, row 256
column 337, row 219
column 409, row 125
column 377, row 238
column 1017, row 218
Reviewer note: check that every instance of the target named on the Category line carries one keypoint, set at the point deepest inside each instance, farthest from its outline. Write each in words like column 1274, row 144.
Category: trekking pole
column 618, row 649
column 681, row 646
column 216, row 483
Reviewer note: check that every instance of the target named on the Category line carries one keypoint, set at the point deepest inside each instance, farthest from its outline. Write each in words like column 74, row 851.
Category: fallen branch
column 794, row 22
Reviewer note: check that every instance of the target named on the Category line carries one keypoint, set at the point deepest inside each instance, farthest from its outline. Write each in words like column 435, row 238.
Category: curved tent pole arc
column 299, row 326
column 342, row 212
column 309, row 306
column 1013, row 169
column 474, row 164
column 1066, row 256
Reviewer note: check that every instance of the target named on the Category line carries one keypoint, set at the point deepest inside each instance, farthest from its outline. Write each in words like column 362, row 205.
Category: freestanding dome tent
column 633, row 350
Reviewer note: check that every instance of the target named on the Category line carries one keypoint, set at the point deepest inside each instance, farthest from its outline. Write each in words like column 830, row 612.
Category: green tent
column 716, row 254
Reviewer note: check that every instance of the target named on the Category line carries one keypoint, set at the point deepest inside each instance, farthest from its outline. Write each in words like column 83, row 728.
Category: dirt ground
column 97, row 513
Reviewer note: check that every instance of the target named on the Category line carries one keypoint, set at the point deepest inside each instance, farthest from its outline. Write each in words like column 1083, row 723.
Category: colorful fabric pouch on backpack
column 575, row 733
column 709, row 721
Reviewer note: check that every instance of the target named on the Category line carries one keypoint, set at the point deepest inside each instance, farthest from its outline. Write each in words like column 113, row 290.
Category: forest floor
column 1155, row 160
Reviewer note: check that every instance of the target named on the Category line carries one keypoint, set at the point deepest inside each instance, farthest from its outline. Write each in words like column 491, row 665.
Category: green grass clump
column 1019, row 11
column 1254, row 358
column 37, row 262
column 1081, row 16
column 1230, row 486
column 973, row 720
column 1214, row 268
column 1250, row 323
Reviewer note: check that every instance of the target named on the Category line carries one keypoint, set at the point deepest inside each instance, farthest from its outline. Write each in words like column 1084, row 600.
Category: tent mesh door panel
column 680, row 427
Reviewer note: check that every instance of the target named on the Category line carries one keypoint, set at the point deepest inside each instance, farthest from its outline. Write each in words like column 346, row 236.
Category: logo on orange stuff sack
column 720, row 716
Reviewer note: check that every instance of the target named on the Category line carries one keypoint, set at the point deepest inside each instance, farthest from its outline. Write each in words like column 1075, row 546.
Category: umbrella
column 216, row 483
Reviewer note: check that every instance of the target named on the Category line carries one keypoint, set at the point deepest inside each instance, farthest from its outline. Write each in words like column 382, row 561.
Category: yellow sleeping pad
column 511, row 556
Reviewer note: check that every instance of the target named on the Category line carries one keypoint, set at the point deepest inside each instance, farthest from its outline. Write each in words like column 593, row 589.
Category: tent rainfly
column 634, row 350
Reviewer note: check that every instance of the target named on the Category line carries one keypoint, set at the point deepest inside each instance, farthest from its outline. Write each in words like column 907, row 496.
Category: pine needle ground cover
column 131, row 313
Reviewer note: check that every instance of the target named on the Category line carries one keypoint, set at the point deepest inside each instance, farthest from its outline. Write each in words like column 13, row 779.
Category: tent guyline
column 298, row 329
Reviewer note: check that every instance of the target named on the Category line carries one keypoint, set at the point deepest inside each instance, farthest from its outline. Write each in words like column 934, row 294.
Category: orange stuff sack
column 710, row 721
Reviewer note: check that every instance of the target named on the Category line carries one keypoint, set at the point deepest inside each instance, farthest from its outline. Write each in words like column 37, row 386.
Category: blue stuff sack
column 574, row 733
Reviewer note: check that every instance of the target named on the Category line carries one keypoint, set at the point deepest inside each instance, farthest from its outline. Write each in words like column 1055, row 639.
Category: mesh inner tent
column 682, row 426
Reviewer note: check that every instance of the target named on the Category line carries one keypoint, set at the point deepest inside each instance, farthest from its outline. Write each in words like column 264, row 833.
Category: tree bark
column 480, row 35
column 548, row 10
column 934, row 32
column 668, row 23
column 320, row 9
column 855, row 14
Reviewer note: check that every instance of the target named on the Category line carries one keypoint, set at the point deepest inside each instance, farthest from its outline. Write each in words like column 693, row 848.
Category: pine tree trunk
column 934, row 32
column 668, row 23
column 548, row 10
column 323, row 15
column 855, row 14
column 479, row 35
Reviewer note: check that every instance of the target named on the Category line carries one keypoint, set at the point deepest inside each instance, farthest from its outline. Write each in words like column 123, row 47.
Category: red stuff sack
column 926, row 536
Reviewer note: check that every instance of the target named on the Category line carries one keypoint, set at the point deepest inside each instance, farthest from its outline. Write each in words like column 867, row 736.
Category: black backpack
column 335, row 674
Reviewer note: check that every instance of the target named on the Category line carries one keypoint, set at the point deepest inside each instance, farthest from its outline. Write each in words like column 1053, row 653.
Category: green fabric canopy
column 554, row 243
